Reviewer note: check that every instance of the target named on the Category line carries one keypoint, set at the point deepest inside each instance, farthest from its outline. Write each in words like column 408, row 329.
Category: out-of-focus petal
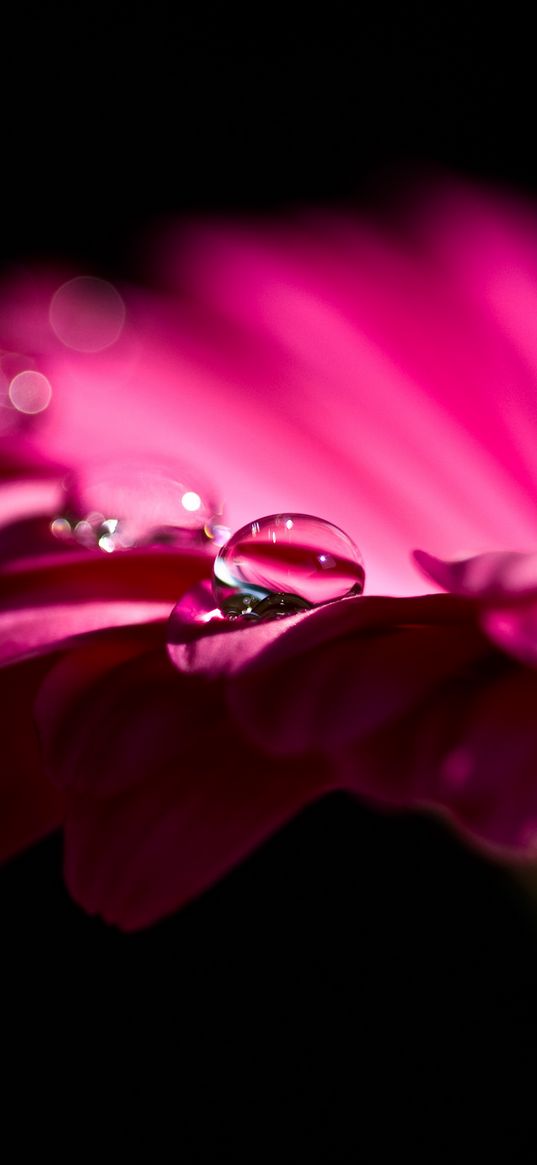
column 324, row 678
column 83, row 574
column 22, row 461
column 59, row 600
column 215, row 647
column 498, row 577
column 38, row 630
column 30, row 806
column 200, row 642
column 95, row 713
column 505, row 586
column 469, row 749
column 496, row 771
column 172, row 797
column 360, row 321
column 514, row 629
column 26, row 497
column 348, row 687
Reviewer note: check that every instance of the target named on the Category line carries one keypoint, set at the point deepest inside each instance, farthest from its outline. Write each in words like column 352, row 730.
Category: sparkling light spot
column 210, row 615
column 30, row 392
column 106, row 543
column 87, row 314
column 191, row 501
column 61, row 528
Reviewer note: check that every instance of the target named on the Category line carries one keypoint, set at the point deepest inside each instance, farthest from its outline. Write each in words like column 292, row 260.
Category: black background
column 363, row 987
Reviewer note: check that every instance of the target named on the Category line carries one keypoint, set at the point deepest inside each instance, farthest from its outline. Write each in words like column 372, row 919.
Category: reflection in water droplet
column 218, row 534
column 120, row 505
column 30, row 392
column 87, row 314
column 285, row 563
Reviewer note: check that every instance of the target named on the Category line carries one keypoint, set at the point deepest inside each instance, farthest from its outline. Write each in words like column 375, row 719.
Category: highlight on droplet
column 191, row 501
column 87, row 314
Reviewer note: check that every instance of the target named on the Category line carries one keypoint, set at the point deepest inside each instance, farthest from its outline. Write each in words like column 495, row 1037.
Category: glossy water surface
column 283, row 563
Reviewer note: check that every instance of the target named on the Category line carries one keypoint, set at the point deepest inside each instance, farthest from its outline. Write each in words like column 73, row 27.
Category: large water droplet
column 120, row 505
column 285, row 563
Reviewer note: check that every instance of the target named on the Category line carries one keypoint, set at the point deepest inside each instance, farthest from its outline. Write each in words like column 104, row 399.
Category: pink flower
column 388, row 385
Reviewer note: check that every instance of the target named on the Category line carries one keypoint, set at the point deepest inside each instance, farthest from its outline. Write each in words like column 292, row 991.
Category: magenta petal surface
column 22, row 498
column 514, row 629
column 95, row 710
column 298, row 697
column 51, row 602
column 468, row 750
column 201, row 642
column 26, row 632
column 495, row 795
column 141, row 855
column 30, row 805
column 500, row 577
column 166, row 796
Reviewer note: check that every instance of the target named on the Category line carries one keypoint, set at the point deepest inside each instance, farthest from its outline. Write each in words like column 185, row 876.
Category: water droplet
column 121, row 505
column 285, row 563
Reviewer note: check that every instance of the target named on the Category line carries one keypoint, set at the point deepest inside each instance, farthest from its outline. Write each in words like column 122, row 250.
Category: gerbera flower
column 385, row 382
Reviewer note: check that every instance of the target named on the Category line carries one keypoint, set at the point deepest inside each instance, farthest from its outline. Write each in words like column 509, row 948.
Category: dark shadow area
column 362, row 983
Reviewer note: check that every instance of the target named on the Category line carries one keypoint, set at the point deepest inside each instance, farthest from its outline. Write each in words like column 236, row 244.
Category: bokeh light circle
column 87, row 314
column 30, row 392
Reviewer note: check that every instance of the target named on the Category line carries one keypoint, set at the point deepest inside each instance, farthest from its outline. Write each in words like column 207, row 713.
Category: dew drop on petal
column 283, row 564
column 87, row 314
column 116, row 506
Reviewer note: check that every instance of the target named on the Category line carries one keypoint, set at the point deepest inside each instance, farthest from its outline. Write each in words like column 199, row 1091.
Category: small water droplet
column 117, row 506
column 284, row 563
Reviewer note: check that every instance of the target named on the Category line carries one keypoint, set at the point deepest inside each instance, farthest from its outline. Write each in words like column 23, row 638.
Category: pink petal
column 301, row 696
column 30, row 806
column 514, row 630
column 195, row 798
column 26, row 497
column 468, row 750
column 138, row 857
column 499, row 577
column 496, row 797
column 95, row 708
column 201, row 643
column 38, row 630
column 353, row 315
column 27, row 536
column 20, row 459
column 61, row 599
